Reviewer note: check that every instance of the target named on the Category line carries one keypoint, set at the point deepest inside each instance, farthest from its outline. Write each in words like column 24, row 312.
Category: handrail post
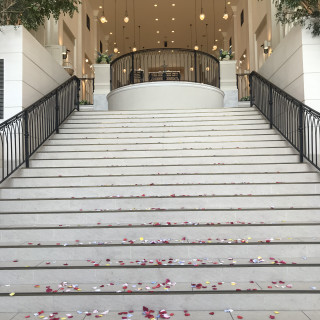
column 271, row 106
column 57, row 111
column 195, row 67
column 301, row 131
column 250, row 88
column 132, row 69
column 26, row 138
column 78, row 97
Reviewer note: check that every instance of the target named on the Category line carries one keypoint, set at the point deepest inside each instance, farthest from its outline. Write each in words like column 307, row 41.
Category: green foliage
column 247, row 98
column 31, row 13
column 84, row 102
column 302, row 12
column 103, row 57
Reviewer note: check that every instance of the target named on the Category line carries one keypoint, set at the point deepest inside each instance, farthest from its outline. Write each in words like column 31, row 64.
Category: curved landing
column 165, row 95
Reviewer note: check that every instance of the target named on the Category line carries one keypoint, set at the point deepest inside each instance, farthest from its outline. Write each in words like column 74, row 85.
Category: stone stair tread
column 155, row 287
column 158, row 224
column 156, row 242
column 161, row 262
column 176, row 315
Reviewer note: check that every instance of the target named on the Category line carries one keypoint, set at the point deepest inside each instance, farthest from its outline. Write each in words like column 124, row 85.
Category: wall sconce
column 266, row 45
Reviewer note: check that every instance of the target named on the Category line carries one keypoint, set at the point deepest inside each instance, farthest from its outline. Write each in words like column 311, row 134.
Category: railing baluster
column 301, row 132
column 26, row 138
column 271, row 106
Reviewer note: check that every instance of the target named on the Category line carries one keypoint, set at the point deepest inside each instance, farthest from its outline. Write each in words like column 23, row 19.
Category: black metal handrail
column 165, row 64
column 24, row 133
column 298, row 123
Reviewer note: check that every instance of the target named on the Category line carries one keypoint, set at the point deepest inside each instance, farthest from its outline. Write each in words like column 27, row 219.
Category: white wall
column 30, row 72
column 294, row 66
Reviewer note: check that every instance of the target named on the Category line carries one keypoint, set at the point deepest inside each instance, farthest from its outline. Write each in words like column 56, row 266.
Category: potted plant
column 226, row 54
column 103, row 58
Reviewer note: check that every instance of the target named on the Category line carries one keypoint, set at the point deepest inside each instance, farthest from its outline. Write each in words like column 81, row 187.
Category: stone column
column 228, row 83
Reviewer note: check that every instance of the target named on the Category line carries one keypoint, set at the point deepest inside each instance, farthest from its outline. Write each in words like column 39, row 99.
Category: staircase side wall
column 30, row 72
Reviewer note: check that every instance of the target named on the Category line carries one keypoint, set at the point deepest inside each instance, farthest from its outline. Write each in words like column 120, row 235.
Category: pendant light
column 225, row 15
column 207, row 37
column 126, row 16
column 214, row 47
column 134, row 48
column 190, row 35
column 202, row 15
column 123, row 41
column 115, row 49
column 103, row 19
column 139, row 37
column 196, row 47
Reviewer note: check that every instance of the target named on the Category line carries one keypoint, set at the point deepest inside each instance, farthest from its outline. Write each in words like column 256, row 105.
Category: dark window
column 88, row 22
column 165, row 44
column 1, row 88
column 242, row 17
column 101, row 47
column 230, row 42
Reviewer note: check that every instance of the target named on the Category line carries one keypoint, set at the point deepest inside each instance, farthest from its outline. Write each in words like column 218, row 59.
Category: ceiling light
column 229, row 2
column 158, row 31
column 214, row 48
column 173, row 19
column 156, row 19
column 172, row 41
column 134, row 49
column 110, row 33
column 244, row 56
column 100, row 7
column 87, row 60
column 219, row 29
column 225, row 15
column 158, row 41
column 155, row 5
column 115, row 50
column 196, row 47
column 216, row 40
column 202, row 15
column 126, row 16
column 207, row 68
column 172, row 31
column 103, row 19
column 173, row 4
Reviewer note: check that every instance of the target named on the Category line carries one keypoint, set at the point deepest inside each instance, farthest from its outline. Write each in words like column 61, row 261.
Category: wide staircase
column 200, row 215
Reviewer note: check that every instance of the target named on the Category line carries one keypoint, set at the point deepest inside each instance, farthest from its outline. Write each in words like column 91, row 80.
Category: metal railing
column 23, row 134
column 164, row 65
column 298, row 123
column 243, row 86
column 86, row 90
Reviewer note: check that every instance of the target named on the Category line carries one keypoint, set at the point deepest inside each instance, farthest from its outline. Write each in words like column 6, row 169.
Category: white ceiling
column 146, row 13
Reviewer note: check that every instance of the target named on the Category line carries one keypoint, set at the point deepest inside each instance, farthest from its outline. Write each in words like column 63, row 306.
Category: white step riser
column 154, row 252
column 312, row 201
column 173, row 302
column 168, row 180
column 136, row 138
column 118, row 123
column 165, row 161
column 159, row 191
column 92, row 218
column 158, row 169
column 163, row 153
column 164, row 120
column 204, row 233
column 199, row 119
column 179, row 146
column 107, row 139
column 169, row 112
column 147, row 275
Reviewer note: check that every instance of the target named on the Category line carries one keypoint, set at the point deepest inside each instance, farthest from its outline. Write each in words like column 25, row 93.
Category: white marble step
column 285, row 299
column 220, row 169
column 116, row 249
column 165, row 161
column 164, row 179
column 133, row 216
column 163, row 153
column 164, row 146
column 36, row 233
column 218, row 202
column 184, row 190
column 175, row 314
